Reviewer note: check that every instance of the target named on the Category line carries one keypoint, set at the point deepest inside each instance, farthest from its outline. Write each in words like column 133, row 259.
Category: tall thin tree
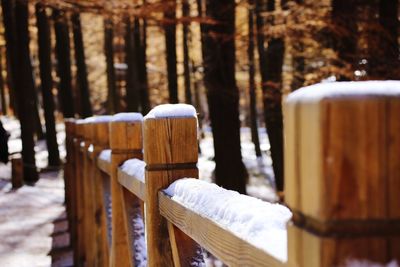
column 170, row 45
column 142, row 68
column 132, row 84
column 2, row 89
column 271, row 63
column 9, row 36
column 63, row 54
column 222, row 94
column 112, row 96
column 185, row 44
column 44, row 44
column 24, row 87
column 344, row 20
column 252, row 85
column 82, row 79
column 388, row 20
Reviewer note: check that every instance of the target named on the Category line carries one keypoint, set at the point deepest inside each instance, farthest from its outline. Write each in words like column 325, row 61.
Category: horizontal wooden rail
column 133, row 184
column 222, row 243
column 104, row 165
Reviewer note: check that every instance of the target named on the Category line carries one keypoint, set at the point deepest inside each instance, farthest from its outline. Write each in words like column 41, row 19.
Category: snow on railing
column 341, row 214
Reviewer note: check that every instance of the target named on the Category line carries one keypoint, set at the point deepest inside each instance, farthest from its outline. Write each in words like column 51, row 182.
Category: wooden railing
column 342, row 187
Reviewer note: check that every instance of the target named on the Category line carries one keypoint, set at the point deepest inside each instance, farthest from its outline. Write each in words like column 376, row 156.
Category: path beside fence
column 33, row 229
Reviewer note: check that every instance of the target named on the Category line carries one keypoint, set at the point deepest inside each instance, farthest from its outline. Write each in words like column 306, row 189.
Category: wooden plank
column 104, row 165
column 89, row 195
column 131, row 183
column 222, row 243
column 101, row 193
column 125, row 143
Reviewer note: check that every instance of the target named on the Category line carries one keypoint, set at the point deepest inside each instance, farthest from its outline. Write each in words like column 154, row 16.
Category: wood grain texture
column 89, row 195
column 309, row 250
column 185, row 251
column 166, row 141
column 342, row 169
column 101, row 179
column 170, row 141
column 132, row 184
column 222, row 243
column 125, row 137
column 159, row 251
column 79, row 255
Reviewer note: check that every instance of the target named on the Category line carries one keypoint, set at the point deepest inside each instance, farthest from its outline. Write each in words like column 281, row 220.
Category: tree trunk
column 24, row 86
column 9, row 36
column 252, row 85
column 63, row 63
column 142, row 68
column 271, row 62
column 2, row 89
column 132, row 85
column 345, row 43
column 82, row 80
column 223, row 95
column 112, row 97
column 388, row 20
column 170, row 44
column 44, row 44
column 186, row 59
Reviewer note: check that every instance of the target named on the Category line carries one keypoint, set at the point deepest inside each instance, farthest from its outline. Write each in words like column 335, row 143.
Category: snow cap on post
column 172, row 111
column 126, row 131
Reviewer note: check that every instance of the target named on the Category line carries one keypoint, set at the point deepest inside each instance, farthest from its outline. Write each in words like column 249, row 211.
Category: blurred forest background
column 235, row 61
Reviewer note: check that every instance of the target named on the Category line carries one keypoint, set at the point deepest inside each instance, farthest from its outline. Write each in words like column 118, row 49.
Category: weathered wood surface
column 342, row 178
column 132, row 184
column 170, row 153
column 89, row 195
column 125, row 143
column 222, row 243
column 101, row 194
column 79, row 256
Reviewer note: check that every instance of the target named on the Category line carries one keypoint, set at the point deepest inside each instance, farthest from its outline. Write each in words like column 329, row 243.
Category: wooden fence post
column 170, row 153
column 101, row 142
column 125, row 143
column 69, row 177
column 89, row 193
column 342, row 173
column 79, row 253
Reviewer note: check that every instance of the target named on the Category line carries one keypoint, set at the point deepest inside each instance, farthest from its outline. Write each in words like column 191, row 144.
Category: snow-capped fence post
column 100, row 143
column 79, row 256
column 342, row 174
column 125, row 143
column 170, row 153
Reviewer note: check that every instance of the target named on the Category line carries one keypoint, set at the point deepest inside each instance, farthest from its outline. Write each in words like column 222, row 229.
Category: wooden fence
column 342, row 185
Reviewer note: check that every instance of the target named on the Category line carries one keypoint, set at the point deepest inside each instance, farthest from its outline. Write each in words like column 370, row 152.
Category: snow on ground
column 27, row 217
column 260, row 223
